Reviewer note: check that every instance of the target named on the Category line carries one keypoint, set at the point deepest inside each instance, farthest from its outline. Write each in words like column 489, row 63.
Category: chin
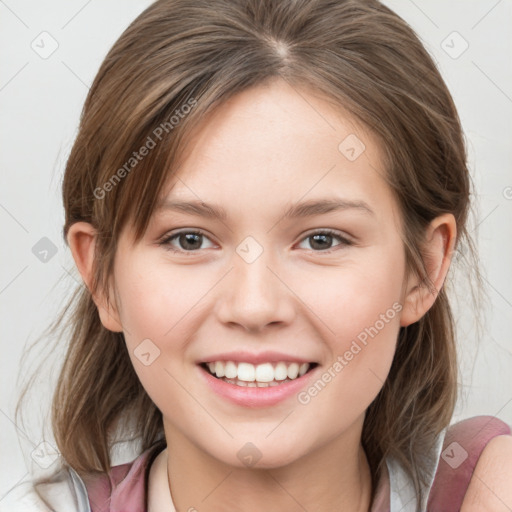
column 262, row 455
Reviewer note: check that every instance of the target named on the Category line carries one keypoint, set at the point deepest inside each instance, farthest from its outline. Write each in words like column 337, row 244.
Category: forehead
column 274, row 144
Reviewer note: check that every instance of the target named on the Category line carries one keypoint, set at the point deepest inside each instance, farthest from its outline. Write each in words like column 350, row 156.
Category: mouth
column 270, row 374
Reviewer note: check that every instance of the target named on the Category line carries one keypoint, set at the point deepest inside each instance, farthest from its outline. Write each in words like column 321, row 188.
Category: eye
column 322, row 239
column 188, row 241
column 191, row 241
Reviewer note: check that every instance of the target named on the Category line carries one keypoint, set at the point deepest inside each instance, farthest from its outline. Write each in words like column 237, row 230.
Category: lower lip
column 255, row 397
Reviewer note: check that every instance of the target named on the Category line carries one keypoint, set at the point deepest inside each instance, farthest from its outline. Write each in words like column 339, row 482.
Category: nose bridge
column 254, row 296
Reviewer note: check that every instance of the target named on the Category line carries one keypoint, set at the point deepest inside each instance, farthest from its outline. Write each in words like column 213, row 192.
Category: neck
column 335, row 476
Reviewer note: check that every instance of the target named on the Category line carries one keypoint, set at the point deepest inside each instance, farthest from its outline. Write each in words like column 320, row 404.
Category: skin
column 264, row 149
column 489, row 488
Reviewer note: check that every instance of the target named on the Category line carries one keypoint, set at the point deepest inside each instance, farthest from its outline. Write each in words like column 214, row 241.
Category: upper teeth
column 266, row 372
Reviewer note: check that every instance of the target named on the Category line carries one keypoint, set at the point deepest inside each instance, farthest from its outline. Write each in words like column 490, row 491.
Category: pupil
column 188, row 238
column 316, row 237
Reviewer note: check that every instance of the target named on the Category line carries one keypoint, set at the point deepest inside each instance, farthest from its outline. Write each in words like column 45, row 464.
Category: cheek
column 154, row 308
column 155, row 304
column 356, row 296
column 359, row 307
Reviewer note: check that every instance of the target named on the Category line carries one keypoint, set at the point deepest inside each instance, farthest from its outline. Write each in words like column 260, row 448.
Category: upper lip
column 261, row 357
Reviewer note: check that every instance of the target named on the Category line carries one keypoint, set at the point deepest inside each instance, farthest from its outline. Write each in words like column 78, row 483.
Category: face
column 260, row 286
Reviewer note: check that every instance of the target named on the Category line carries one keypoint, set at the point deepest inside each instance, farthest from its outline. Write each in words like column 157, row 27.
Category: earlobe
column 81, row 239
column 438, row 250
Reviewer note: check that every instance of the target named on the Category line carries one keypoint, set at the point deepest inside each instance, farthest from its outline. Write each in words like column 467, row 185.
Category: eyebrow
column 297, row 210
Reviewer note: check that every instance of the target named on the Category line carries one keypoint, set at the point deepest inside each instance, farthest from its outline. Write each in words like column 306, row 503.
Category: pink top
column 124, row 489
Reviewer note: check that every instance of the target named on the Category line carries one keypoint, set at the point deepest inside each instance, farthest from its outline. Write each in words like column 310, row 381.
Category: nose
column 253, row 295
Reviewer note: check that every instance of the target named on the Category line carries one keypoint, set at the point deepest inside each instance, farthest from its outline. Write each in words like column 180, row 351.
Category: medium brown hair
column 363, row 58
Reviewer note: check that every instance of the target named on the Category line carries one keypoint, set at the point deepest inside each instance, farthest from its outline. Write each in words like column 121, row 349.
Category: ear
column 439, row 245
column 81, row 239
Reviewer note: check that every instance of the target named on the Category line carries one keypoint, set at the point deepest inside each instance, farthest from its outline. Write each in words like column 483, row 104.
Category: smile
column 257, row 385
column 262, row 375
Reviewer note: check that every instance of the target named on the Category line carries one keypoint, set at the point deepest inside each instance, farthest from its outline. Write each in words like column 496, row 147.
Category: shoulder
column 472, row 443
column 489, row 488
column 60, row 488
column 56, row 491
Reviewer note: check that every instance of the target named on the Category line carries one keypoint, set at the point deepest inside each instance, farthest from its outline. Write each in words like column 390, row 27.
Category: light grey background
column 41, row 100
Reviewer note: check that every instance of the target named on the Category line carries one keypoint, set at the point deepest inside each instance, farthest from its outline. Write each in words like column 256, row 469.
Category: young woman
column 263, row 201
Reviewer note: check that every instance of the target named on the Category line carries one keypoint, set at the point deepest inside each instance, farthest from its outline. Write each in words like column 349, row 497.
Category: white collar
column 402, row 494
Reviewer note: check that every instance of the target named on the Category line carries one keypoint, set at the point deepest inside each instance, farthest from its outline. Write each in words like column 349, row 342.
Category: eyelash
column 344, row 241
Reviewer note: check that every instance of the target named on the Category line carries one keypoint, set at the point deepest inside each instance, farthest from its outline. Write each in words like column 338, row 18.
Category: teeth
column 264, row 373
column 253, row 384
column 293, row 371
column 304, row 367
column 219, row 369
column 246, row 371
column 280, row 371
column 230, row 369
column 261, row 375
